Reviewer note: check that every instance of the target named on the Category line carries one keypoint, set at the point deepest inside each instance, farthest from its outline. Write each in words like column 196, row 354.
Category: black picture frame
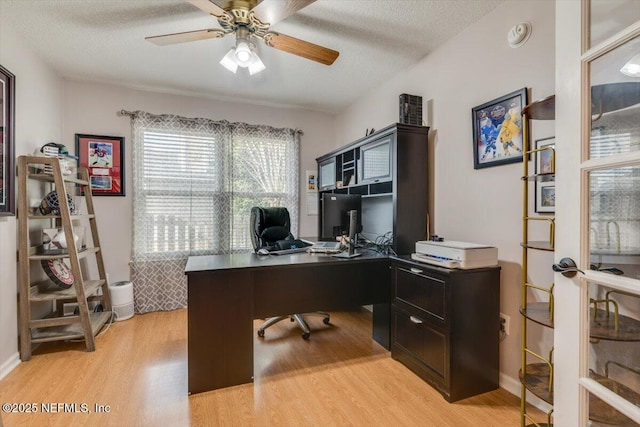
column 7, row 143
column 545, row 186
column 497, row 130
column 103, row 156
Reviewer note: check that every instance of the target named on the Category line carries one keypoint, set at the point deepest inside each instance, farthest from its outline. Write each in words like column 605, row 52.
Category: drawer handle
column 416, row 270
column 415, row 320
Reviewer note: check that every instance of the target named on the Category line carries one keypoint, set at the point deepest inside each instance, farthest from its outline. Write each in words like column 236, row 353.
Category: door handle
column 567, row 267
column 612, row 270
column 415, row 320
column 416, row 270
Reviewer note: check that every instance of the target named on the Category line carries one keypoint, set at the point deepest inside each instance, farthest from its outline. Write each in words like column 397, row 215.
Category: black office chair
column 268, row 226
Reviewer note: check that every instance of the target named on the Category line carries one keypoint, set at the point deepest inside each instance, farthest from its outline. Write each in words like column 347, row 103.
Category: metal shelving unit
column 536, row 378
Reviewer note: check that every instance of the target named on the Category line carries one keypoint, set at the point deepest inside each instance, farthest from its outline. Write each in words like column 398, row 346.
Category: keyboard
column 315, row 250
column 289, row 251
column 326, row 245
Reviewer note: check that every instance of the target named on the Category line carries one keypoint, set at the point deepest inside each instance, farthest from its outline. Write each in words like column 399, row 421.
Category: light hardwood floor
column 340, row 377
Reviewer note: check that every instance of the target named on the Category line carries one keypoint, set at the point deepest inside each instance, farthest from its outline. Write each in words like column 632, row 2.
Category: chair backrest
column 268, row 225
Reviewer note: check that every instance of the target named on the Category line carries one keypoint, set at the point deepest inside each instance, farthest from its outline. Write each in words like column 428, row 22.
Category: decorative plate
column 59, row 272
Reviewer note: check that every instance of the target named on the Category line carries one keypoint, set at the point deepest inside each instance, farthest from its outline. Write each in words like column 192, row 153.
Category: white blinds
column 615, row 192
column 195, row 181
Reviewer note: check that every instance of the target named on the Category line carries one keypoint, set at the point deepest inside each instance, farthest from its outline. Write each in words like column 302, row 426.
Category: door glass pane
column 614, row 212
column 376, row 160
column 614, row 350
column 611, row 16
column 601, row 414
column 615, row 102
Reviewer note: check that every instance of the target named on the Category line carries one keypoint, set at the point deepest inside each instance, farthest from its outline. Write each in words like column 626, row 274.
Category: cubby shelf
column 389, row 170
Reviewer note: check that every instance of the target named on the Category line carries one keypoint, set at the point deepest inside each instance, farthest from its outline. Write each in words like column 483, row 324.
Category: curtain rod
column 124, row 112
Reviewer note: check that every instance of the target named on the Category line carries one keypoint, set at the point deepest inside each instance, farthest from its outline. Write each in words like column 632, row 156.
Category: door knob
column 567, row 267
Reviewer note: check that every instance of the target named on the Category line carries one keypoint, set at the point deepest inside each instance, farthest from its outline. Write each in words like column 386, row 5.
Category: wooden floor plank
column 339, row 377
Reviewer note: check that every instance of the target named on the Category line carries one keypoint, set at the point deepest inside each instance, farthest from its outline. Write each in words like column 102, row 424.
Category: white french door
column 597, row 357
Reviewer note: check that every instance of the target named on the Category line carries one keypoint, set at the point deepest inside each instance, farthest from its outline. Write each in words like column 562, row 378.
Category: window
column 195, row 181
column 196, row 191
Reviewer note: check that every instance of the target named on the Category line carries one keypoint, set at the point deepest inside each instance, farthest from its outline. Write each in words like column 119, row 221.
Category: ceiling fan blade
column 272, row 11
column 189, row 36
column 302, row 48
column 207, row 6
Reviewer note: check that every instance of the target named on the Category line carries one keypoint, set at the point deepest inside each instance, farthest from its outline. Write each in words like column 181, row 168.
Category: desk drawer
column 416, row 338
column 417, row 288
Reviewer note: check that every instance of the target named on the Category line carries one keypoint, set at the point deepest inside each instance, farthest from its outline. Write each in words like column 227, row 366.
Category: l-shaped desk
column 226, row 292
column 441, row 323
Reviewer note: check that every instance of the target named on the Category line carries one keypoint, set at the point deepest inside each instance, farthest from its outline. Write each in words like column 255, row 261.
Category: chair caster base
column 260, row 333
column 326, row 320
column 306, row 336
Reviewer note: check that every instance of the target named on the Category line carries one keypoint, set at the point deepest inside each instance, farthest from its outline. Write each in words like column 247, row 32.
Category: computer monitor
column 335, row 214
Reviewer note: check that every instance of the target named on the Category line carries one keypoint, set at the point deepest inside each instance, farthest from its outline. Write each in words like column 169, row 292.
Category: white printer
column 452, row 254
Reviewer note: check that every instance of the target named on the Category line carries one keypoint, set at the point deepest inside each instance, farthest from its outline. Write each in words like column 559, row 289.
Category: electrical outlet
column 504, row 323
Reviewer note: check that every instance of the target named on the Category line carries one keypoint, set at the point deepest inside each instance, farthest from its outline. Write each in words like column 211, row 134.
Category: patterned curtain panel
column 194, row 183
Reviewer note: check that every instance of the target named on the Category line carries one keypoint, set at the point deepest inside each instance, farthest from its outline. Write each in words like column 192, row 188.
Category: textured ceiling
column 103, row 41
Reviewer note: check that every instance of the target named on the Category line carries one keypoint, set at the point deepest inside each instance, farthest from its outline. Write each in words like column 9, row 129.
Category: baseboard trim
column 9, row 365
column 513, row 386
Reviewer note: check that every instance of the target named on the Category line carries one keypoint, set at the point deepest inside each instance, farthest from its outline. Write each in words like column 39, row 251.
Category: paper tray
column 451, row 263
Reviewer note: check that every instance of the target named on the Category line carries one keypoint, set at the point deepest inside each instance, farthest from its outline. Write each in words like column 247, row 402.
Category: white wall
column 91, row 109
column 470, row 205
column 38, row 110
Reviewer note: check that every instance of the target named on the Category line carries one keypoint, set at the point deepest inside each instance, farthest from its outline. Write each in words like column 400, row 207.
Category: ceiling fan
column 241, row 17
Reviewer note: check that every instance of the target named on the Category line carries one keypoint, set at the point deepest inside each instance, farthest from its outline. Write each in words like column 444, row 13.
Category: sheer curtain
column 194, row 183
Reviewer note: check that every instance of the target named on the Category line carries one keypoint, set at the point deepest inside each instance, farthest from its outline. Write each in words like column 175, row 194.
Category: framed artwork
column 546, row 197
column 545, row 157
column 312, row 182
column 545, row 193
column 497, row 130
column 7, row 143
column 103, row 156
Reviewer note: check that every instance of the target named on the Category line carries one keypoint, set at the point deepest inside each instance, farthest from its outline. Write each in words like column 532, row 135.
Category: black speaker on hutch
column 410, row 109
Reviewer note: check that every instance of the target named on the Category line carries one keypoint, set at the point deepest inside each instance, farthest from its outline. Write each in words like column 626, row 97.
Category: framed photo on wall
column 545, row 193
column 545, row 197
column 545, row 157
column 7, row 144
column 497, row 130
column 103, row 156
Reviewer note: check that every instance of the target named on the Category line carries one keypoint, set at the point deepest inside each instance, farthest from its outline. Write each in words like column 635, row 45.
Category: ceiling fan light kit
column 243, row 55
column 239, row 17
column 228, row 61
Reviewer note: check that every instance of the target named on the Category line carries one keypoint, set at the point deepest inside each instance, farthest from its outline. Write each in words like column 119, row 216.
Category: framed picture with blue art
column 546, row 197
column 497, row 130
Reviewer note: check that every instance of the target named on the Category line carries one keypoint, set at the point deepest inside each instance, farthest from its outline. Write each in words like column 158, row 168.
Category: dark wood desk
column 226, row 292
